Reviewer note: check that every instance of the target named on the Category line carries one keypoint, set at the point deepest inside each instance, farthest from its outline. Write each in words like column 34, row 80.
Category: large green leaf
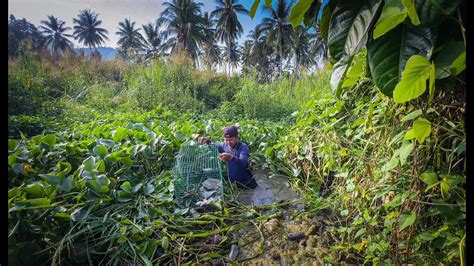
column 393, row 13
column 433, row 12
column 324, row 21
column 411, row 10
column 348, row 28
column 312, row 14
column 254, row 8
column 348, row 33
column 388, row 54
column 413, row 81
column 338, row 73
column 298, row 11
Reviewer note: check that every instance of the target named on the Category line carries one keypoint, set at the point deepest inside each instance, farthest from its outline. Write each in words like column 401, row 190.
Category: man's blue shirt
column 238, row 166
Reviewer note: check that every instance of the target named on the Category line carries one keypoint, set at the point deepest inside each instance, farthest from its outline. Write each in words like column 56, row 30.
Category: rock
column 217, row 262
column 207, row 194
column 276, row 255
column 271, row 225
column 216, row 239
column 234, row 252
column 212, row 184
column 296, row 236
column 300, row 207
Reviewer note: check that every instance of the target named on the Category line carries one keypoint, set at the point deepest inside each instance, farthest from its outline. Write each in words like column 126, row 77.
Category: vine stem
column 461, row 255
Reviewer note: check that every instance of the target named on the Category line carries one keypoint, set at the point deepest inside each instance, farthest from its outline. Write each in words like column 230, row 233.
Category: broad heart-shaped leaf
column 413, row 81
column 298, row 11
column 393, row 13
column 406, row 220
column 254, row 8
column 447, row 56
column 388, row 54
column 349, row 27
column 348, row 33
column 324, row 22
column 422, row 129
column 433, row 12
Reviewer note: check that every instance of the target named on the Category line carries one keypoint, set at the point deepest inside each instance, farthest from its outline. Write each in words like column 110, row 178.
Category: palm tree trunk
column 297, row 66
column 228, row 55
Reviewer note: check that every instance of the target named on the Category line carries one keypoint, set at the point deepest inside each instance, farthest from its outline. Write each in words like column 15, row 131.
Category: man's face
column 231, row 141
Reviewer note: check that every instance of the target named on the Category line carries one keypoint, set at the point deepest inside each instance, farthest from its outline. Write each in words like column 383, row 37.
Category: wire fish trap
column 197, row 175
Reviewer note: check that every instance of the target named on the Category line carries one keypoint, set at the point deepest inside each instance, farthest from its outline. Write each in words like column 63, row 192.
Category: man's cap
column 230, row 131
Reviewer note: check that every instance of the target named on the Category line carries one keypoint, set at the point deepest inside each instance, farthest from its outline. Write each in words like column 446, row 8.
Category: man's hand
column 204, row 140
column 225, row 156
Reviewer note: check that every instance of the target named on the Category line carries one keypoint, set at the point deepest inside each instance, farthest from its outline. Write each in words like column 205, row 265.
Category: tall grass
column 278, row 99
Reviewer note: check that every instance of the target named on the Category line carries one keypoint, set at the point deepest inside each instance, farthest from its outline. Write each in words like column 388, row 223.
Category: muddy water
column 268, row 243
column 270, row 189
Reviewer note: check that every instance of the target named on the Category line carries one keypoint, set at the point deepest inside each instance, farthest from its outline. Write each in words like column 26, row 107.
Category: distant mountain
column 107, row 53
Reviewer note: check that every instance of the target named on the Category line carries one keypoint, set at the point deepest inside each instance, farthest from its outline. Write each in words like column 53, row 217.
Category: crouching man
column 235, row 154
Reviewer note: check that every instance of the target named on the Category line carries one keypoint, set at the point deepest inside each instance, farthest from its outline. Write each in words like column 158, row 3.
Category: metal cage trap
column 197, row 176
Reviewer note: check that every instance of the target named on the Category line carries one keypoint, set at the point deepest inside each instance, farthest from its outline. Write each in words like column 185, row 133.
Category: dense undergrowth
column 91, row 145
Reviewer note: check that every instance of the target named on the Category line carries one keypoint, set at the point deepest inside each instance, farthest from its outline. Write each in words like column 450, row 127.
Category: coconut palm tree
column 233, row 55
column 261, row 54
column 211, row 52
column 152, row 40
column 319, row 49
column 131, row 40
column 56, row 38
column 87, row 29
column 184, row 27
column 301, row 47
column 278, row 29
column 228, row 26
column 247, row 58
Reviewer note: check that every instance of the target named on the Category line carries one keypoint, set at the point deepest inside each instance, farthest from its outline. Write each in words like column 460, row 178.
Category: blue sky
column 111, row 12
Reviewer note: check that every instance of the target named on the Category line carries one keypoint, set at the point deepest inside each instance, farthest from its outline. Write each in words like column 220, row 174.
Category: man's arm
column 204, row 140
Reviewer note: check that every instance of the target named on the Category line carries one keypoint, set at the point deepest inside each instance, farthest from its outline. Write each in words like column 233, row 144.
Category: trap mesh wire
column 194, row 165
